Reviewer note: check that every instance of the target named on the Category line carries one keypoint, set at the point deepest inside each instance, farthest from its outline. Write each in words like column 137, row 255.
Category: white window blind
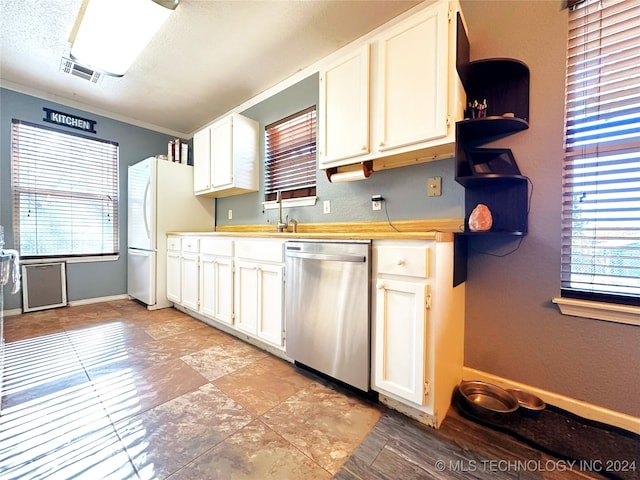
column 65, row 192
column 290, row 163
column 601, row 177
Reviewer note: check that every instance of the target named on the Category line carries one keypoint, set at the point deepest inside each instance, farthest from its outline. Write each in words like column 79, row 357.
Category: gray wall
column 403, row 188
column 84, row 280
column 512, row 328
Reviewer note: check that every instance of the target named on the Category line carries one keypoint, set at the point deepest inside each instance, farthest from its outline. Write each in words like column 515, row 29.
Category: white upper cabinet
column 397, row 95
column 228, row 163
column 412, row 80
column 344, row 96
column 202, row 161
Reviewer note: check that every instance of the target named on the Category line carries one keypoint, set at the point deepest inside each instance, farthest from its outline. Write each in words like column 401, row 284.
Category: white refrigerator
column 160, row 200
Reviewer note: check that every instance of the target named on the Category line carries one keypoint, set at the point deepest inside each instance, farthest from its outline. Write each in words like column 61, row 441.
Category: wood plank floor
column 400, row 448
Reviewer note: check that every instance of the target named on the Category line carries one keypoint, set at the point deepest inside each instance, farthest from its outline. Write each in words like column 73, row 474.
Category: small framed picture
column 492, row 160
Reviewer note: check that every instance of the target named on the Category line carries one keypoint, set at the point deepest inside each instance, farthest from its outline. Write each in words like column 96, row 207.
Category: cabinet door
column 190, row 280
column 222, row 153
column 224, row 290
column 216, row 288
column 246, row 296
column 208, row 285
column 270, row 299
column 202, row 161
column 412, row 77
column 344, row 119
column 174, row 285
column 401, row 339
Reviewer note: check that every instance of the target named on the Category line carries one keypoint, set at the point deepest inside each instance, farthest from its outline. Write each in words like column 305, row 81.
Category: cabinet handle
column 380, row 285
column 363, row 148
column 400, row 262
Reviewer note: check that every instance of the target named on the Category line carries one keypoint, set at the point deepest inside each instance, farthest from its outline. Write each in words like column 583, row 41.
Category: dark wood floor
column 400, row 448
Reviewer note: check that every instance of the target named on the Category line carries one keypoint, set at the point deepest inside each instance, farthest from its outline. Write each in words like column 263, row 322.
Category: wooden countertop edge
column 441, row 230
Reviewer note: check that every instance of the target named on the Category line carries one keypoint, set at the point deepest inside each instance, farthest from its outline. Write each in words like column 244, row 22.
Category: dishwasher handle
column 327, row 257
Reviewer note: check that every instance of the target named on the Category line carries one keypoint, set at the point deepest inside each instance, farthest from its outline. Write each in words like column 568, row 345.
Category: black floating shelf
column 491, row 69
column 495, row 233
column 494, row 179
column 478, row 128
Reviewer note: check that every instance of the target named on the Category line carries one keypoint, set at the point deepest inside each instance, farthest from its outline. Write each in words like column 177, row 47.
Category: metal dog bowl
column 530, row 404
column 484, row 399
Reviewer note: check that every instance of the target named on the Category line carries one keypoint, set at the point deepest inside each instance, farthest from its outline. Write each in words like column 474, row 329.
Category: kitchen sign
column 79, row 123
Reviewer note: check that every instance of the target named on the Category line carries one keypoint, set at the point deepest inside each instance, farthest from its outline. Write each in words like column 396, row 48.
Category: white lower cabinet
column 174, row 285
column 238, row 282
column 259, row 290
column 418, row 326
column 216, row 287
column 216, row 279
column 401, row 330
column 190, row 273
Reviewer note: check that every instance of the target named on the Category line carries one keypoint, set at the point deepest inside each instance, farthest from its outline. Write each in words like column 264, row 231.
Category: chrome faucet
column 282, row 226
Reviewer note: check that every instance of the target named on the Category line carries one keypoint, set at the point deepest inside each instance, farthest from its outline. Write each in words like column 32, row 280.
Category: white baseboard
column 75, row 303
column 578, row 407
column 87, row 301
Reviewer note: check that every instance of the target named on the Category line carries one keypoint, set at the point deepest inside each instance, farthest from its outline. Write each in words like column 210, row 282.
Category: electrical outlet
column 230, row 214
column 326, row 206
column 376, row 202
column 434, row 186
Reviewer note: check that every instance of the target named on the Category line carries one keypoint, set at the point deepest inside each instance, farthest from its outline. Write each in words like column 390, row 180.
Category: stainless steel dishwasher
column 327, row 308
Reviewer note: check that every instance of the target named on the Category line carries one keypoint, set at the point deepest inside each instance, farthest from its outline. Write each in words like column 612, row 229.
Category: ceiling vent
column 72, row 68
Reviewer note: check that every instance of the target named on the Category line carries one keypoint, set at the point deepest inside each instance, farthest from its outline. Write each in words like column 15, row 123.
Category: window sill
column 291, row 202
column 609, row 312
column 89, row 259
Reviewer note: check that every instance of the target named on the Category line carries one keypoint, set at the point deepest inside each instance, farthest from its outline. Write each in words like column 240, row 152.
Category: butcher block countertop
column 441, row 230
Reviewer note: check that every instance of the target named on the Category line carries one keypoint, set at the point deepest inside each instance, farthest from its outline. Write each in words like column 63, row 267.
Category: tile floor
column 114, row 391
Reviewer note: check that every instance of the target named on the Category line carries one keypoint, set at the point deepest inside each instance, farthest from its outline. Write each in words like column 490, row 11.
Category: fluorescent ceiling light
column 112, row 33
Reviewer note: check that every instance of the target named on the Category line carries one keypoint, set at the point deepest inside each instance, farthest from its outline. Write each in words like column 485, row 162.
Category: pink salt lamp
column 480, row 219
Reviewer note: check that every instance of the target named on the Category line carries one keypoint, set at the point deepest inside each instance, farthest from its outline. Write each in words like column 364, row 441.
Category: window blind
column 601, row 176
column 65, row 192
column 290, row 158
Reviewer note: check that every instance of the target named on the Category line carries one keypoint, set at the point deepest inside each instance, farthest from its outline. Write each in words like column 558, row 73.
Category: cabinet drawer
column 216, row 246
column 406, row 261
column 173, row 243
column 190, row 244
column 265, row 250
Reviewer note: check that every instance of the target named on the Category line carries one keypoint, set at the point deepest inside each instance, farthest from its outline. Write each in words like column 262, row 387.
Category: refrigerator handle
column 146, row 209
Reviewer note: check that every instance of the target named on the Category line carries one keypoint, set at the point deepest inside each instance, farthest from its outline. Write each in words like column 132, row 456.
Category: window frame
column 582, row 301
column 298, row 196
column 110, row 195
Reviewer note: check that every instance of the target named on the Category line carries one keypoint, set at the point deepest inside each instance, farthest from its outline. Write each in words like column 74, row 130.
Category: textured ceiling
column 209, row 57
